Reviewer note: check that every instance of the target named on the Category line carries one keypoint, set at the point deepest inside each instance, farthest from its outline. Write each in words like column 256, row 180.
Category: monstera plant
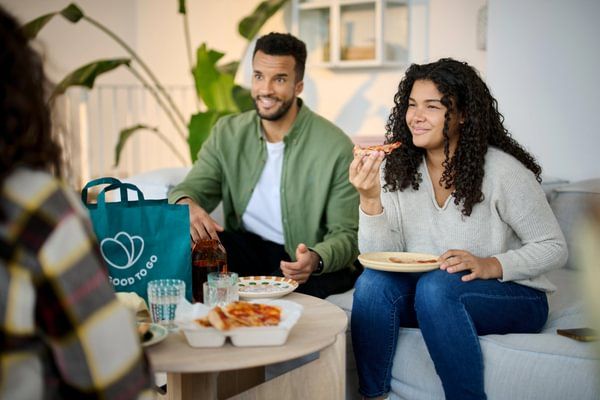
column 215, row 83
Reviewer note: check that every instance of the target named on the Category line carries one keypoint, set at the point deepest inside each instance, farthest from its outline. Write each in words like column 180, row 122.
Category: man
column 281, row 172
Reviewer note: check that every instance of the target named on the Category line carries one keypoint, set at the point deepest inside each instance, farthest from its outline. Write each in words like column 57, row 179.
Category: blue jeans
column 450, row 313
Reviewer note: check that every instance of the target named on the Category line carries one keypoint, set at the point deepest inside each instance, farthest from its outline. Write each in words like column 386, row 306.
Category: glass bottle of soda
column 207, row 256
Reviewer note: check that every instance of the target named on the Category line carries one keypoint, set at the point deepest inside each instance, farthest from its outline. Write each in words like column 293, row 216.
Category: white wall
column 453, row 31
column 539, row 63
column 543, row 58
column 358, row 100
column 160, row 34
column 66, row 46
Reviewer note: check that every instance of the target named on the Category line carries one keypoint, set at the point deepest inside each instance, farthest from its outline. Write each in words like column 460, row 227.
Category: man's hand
column 306, row 262
column 202, row 226
column 461, row 260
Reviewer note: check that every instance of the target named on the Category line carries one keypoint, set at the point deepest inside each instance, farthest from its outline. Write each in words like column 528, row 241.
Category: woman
column 459, row 187
column 63, row 334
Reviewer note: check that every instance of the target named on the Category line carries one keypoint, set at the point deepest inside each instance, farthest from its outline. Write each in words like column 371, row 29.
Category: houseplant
column 214, row 83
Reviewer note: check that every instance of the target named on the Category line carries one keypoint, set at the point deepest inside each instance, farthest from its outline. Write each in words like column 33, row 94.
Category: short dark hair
column 25, row 126
column 284, row 44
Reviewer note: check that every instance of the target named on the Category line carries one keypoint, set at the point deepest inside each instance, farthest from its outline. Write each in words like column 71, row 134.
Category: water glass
column 221, row 289
column 163, row 296
column 209, row 295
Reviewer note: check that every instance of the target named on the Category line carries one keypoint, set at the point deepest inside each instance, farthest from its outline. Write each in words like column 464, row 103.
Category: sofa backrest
column 569, row 203
column 156, row 184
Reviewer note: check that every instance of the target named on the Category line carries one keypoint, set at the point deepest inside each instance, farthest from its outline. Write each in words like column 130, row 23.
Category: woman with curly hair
column 460, row 187
column 63, row 333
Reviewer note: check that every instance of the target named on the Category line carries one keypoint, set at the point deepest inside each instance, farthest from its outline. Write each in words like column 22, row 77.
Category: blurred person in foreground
column 63, row 334
column 587, row 257
column 462, row 188
column 281, row 172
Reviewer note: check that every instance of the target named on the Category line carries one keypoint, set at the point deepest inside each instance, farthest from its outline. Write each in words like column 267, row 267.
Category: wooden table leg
column 323, row 378
column 212, row 386
column 231, row 383
column 192, row 386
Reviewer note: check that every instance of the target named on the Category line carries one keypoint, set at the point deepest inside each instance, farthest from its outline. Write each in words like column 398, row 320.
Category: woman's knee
column 375, row 289
column 436, row 288
column 371, row 281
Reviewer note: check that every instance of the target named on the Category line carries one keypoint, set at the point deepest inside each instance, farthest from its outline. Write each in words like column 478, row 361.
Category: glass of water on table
column 221, row 289
column 163, row 296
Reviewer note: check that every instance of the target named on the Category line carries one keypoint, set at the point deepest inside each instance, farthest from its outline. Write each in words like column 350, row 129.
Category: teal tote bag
column 140, row 240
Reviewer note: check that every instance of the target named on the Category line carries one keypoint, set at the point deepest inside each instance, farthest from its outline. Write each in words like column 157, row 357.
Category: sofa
column 517, row 366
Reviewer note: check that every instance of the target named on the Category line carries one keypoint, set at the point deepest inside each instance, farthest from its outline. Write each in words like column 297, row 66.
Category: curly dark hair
column 284, row 44
column 25, row 127
column 463, row 92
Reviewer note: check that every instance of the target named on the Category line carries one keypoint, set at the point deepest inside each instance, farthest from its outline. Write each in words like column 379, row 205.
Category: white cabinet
column 362, row 33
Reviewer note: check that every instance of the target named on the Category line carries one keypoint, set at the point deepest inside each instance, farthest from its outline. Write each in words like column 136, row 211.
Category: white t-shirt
column 263, row 214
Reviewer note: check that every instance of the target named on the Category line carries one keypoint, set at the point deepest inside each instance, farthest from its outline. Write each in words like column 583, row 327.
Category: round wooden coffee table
column 238, row 372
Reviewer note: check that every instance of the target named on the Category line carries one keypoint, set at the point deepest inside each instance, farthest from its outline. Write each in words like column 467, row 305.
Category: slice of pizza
column 204, row 322
column 386, row 148
column 253, row 314
column 221, row 321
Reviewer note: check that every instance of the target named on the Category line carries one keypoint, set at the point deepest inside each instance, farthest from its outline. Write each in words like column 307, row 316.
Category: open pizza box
column 187, row 314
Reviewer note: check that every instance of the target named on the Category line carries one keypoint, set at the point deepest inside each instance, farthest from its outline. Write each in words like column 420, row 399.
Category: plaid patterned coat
column 63, row 334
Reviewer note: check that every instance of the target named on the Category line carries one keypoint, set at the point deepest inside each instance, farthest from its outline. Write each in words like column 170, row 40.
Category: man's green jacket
column 319, row 206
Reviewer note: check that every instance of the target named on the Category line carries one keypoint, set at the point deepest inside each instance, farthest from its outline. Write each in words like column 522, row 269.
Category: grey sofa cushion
column 156, row 184
column 541, row 366
column 569, row 203
column 549, row 183
column 517, row 366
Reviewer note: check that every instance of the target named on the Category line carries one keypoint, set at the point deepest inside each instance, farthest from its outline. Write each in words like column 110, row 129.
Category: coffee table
column 238, row 372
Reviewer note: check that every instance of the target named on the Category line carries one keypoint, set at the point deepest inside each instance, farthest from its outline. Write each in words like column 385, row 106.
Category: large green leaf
column 32, row 28
column 213, row 87
column 250, row 26
column 125, row 134
column 86, row 75
column 229, row 68
column 243, row 98
column 206, row 61
column 199, row 130
column 72, row 12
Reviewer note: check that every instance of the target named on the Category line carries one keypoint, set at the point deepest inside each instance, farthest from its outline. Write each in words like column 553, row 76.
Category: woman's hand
column 364, row 176
column 460, row 260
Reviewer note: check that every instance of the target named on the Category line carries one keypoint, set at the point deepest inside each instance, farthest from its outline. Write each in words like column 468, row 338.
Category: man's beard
column 279, row 113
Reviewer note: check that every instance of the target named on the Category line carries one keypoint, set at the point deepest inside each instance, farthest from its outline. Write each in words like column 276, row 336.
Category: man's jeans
column 450, row 313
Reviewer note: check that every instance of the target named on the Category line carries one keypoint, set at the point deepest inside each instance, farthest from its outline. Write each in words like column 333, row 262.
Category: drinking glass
column 163, row 296
column 222, row 289
column 209, row 295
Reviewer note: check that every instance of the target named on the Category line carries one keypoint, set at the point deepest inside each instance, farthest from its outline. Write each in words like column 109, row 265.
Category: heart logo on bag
column 124, row 250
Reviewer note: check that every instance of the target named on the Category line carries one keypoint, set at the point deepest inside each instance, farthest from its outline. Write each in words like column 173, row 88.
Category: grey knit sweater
column 514, row 223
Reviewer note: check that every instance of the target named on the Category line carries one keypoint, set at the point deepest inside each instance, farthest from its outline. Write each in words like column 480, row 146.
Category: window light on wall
column 362, row 33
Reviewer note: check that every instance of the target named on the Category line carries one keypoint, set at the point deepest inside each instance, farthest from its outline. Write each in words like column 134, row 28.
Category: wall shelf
column 362, row 33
